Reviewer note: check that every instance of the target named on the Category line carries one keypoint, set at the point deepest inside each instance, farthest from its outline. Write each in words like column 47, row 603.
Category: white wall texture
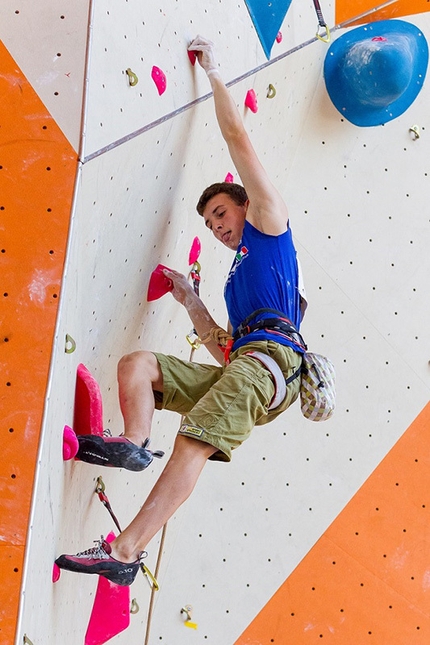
column 358, row 200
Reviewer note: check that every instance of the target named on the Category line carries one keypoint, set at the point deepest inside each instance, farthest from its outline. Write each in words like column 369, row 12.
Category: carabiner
column 324, row 36
column 100, row 485
column 195, row 344
column 151, row 578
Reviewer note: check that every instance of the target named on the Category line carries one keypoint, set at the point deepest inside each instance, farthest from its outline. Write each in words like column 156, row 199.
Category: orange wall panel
column 345, row 9
column 368, row 578
column 37, row 174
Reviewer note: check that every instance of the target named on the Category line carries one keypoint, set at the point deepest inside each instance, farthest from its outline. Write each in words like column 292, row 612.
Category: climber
column 259, row 355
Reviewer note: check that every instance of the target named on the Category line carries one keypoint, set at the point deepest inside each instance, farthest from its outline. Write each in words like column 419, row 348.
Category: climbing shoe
column 99, row 560
column 117, row 452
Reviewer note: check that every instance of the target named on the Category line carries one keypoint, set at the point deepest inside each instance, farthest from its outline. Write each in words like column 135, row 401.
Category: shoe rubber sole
column 96, row 450
column 118, row 572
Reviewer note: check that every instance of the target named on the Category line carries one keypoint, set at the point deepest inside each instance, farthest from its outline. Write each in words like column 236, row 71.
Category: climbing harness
column 323, row 31
column 279, row 326
column 279, row 380
column 316, row 372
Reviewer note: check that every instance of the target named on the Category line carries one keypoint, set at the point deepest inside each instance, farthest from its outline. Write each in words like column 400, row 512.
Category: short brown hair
column 235, row 191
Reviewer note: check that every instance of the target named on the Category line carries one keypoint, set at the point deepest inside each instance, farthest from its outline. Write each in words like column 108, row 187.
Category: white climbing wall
column 359, row 213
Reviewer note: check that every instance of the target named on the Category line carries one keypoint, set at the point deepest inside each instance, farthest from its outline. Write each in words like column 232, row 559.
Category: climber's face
column 225, row 219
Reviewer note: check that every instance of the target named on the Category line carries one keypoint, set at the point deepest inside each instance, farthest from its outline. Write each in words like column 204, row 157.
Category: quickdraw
column 193, row 337
column 100, row 490
column 323, row 31
column 195, row 276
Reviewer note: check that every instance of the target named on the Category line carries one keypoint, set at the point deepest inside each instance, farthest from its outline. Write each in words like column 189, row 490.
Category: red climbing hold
column 192, row 56
column 279, row 37
column 159, row 78
column 88, row 414
column 158, row 283
column 229, row 179
column 251, row 101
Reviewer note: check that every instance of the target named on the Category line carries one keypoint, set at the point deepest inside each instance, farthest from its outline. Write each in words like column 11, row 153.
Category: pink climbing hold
column 192, row 56
column 56, row 572
column 111, row 610
column 70, row 443
column 251, row 101
column 194, row 251
column 279, row 37
column 159, row 284
column 159, row 78
column 229, row 179
column 88, row 414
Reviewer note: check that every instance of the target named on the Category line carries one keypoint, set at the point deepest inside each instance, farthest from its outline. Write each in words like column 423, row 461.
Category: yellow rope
column 217, row 334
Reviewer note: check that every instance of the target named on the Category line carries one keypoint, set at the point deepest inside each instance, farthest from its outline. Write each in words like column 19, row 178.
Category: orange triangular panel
column 347, row 9
column 37, row 174
column 368, row 578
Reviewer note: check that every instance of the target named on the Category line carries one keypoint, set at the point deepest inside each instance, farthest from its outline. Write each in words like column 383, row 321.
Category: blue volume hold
column 267, row 16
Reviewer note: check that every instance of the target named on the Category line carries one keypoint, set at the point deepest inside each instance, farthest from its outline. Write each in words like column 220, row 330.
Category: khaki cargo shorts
column 221, row 404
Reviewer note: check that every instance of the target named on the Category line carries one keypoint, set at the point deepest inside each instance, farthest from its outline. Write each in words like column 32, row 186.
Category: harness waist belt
column 279, row 325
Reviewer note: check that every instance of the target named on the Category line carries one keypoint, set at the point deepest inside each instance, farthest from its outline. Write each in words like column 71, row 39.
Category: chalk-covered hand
column 205, row 53
column 182, row 290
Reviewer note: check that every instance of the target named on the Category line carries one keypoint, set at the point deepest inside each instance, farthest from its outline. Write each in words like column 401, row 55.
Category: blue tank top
column 264, row 274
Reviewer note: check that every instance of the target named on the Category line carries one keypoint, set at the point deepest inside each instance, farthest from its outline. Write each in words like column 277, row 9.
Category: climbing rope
column 100, row 491
column 222, row 338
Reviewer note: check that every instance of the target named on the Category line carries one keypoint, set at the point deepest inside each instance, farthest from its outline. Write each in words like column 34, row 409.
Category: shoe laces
column 96, row 552
column 156, row 453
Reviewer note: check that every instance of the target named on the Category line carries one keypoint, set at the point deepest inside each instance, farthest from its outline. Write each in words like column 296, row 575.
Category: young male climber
column 221, row 404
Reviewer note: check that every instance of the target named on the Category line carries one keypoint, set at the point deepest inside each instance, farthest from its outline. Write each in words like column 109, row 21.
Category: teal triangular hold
column 267, row 16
